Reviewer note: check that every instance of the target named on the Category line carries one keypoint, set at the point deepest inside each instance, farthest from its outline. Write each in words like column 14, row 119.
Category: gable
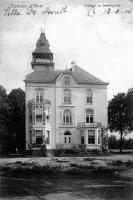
column 66, row 79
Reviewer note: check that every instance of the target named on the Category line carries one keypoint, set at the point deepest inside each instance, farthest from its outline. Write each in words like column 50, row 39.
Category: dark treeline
column 114, row 143
column 12, row 121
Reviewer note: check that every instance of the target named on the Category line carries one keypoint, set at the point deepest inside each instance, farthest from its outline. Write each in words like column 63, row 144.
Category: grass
column 69, row 166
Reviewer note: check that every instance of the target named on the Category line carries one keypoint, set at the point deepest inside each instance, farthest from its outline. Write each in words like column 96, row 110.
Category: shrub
column 117, row 162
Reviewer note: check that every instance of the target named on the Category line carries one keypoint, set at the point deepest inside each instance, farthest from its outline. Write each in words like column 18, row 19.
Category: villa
column 66, row 108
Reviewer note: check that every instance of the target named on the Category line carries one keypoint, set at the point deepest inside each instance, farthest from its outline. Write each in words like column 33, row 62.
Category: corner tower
column 42, row 57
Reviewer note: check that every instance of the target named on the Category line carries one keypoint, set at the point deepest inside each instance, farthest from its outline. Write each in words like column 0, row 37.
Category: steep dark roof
column 83, row 77
column 50, row 76
column 45, row 76
column 42, row 45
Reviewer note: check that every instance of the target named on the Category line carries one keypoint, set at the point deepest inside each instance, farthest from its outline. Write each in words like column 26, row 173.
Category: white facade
column 64, row 112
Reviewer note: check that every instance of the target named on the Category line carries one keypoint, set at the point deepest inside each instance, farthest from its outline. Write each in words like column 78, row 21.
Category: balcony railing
column 42, row 102
column 89, row 125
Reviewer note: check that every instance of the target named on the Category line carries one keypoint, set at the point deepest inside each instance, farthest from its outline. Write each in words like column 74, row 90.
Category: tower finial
column 43, row 27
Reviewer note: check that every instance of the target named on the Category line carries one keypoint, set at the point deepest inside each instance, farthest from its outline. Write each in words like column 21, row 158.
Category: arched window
column 67, row 137
column 89, row 116
column 67, row 117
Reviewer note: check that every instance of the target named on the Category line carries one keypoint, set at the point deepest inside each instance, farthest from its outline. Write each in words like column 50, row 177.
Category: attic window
column 67, row 80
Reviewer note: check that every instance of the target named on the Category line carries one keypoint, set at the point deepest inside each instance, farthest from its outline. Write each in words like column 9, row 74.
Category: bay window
column 91, row 136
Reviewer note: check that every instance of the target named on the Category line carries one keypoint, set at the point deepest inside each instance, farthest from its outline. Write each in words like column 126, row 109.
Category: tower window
column 89, row 96
column 89, row 116
column 67, row 80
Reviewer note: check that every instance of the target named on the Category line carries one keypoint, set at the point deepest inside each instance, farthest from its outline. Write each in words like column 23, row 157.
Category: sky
column 100, row 43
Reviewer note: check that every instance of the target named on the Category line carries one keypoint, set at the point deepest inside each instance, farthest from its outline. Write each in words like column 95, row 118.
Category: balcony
column 89, row 125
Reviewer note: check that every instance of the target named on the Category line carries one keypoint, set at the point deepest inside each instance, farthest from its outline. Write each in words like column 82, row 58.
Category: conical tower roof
column 42, row 45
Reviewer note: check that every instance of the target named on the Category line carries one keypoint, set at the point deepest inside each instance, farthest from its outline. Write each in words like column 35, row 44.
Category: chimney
column 73, row 65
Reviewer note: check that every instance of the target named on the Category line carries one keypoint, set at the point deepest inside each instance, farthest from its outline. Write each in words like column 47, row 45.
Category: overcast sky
column 101, row 44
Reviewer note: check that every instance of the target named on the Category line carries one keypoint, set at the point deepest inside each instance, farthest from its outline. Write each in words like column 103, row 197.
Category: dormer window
column 67, row 80
column 39, row 95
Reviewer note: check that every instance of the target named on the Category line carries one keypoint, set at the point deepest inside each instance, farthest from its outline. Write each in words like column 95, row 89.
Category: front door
column 67, row 139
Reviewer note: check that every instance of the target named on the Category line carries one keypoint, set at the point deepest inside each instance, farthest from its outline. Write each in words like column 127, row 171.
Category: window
column 82, row 137
column 89, row 116
column 39, row 95
column 47, row 115
column 39, row 139
column 47, row 137
column 67, row 96
column 30, row 134
column 67, row 117
column 38, row 118
column 38, row 113
column 31, row 118
column 91, row 136
column 89, row 96
column 99, row 137
column 67, row 80
column 67, row 137
column 47, row 118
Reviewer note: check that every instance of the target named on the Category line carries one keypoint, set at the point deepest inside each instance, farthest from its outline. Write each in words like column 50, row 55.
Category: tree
column 16, row 120
column 112, row 142
column 130, row 107
column 119, row 118
column 4, row 109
